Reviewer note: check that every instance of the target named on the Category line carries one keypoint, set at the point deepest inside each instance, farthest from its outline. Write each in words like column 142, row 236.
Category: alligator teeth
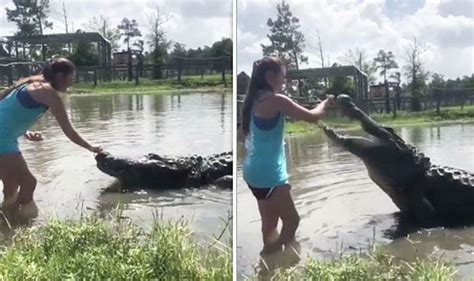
column 440, row 171
column 448, row 175
column 465, row 180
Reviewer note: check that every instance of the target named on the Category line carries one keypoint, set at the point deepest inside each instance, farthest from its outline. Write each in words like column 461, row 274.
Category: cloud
column 366, row 24
column 456, row 8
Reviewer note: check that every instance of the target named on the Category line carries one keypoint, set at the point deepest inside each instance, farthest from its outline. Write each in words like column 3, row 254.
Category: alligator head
column 395, row 166
column 157, row 172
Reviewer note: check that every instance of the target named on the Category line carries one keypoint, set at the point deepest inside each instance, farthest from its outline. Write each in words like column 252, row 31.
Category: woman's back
column 18, row 112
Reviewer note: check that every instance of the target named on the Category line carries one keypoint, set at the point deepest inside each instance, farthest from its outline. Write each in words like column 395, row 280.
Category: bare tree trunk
column 321, row 54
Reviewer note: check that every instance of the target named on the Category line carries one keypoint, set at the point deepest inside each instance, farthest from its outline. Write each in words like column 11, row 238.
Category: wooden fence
column 436, row 100
column 10, row 72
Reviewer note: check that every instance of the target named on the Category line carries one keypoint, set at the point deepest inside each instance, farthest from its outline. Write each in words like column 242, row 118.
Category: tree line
column 32, row 18
column 289, row 43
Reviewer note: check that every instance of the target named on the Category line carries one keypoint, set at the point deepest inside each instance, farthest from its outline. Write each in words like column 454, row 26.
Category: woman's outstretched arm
column 59, row 112
column 290, row 108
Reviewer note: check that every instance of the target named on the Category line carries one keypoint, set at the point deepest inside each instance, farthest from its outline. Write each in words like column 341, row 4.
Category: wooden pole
column 179, row 70
column 137, row 74
column 437, row 102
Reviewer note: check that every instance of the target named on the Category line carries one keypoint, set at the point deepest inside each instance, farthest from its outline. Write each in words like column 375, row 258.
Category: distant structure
column 378, row 91
column 122, row 58
column 242, row 83
column 358, row 76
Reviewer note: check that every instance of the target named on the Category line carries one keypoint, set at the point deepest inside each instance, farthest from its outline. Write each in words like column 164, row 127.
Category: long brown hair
column 48, row 74
column 258, row 83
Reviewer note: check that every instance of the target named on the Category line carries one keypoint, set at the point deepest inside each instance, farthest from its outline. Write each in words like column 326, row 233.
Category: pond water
column 342, row 210
column 132, row 125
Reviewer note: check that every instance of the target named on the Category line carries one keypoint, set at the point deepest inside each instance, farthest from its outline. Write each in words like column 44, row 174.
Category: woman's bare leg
column 269, row 222
column 10, row 190
column 285, row 207
column 14, row 168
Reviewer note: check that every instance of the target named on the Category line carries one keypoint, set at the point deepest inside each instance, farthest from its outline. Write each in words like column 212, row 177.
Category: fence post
column 179, row 70
column 137, row 73
column 438, row 102
column 95, row 77
column 10, row 75
column 223, row 77
column 394, row 107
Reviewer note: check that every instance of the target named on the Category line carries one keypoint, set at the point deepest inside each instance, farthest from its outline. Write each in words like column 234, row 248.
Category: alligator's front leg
column 421, row 207
column 225, row 182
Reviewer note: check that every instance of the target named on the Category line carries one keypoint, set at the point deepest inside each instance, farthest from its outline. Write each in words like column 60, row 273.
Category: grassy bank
column 374, row 267
column 93, row 249
column 188, row 83
column 447, row 115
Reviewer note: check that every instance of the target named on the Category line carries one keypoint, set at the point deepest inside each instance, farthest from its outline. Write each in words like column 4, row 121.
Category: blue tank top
column 18, row 113
column 265, row 162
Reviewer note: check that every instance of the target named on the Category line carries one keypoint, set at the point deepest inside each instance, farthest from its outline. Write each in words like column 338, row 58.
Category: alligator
column 431, row 195
column 153, row 171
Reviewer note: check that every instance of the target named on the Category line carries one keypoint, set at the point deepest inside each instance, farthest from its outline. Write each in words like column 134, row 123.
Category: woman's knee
column 10, row 185
column 269, row 225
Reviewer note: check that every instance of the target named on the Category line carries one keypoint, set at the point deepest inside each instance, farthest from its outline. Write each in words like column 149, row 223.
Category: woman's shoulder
column 43, row 87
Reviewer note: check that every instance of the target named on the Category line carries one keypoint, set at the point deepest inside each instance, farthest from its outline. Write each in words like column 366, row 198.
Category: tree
column 179, row 51
column 437, row 81
column 385, row 61
column 414, row 70
column 286, row 41
column 359, row 58
column 128, row 30
column 341, row 85
column 157, row 40
column 30, row 17
column 84, row 54
column 468, row 82
column 222, row 49
column 103, row 26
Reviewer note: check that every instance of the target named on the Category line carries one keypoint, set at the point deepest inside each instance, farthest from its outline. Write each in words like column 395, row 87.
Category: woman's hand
column 95, row 149
column 33, row 136
column 322, row 106
column 330, row 100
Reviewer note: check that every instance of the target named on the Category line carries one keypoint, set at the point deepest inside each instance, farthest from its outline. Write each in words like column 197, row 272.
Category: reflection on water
column 132, row 125
column 341, row 209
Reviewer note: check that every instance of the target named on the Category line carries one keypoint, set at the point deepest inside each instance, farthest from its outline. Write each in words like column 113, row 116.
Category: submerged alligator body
column 431, row 194
column 158, row 172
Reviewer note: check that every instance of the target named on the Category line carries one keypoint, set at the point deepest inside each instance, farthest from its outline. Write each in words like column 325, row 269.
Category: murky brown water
column 341, row 209
column 132, row 125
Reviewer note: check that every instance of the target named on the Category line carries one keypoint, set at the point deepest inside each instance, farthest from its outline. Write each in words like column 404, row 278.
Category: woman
column 264, row 168
column 20, row 106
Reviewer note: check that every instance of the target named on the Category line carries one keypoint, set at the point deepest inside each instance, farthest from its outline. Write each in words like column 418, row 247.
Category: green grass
column 93, row 249
column 447, row 115
column 378, row 266
column 188, row 83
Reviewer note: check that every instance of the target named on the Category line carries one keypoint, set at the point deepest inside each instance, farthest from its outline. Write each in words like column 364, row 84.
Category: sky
column 447, row 27
column 193, row 22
